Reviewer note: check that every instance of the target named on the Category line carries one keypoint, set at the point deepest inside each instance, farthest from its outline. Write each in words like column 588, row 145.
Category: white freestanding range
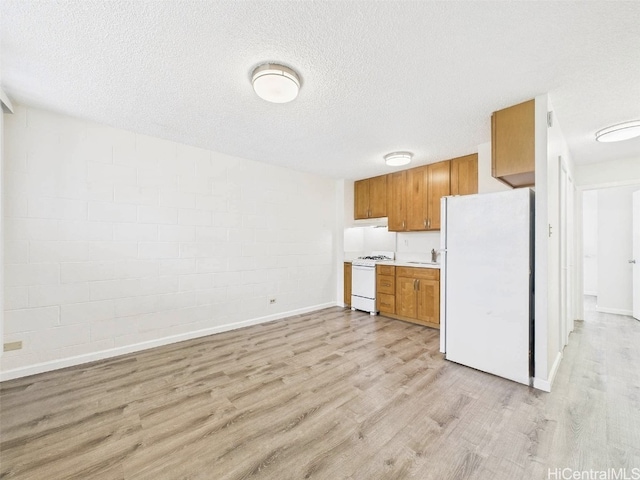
column 363, row 281
column 486, row 314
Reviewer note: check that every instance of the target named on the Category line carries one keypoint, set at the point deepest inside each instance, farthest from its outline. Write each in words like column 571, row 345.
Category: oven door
column 363, row 281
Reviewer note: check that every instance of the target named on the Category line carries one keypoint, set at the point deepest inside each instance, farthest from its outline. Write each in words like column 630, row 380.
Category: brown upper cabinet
column 397, row 201
column 438, row 176
column 370, row 197
column 411, row 198
column 464, row 175
column 417, row 199
column 414, row 197
column 513, row 144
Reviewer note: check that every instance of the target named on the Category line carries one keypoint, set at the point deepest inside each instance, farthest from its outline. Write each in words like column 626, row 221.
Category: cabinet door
column 347, row 283
column 386, row 303
column 417, row 211
column 386, row 284
column 397, row 201
column 378, row 197
column 464, row 175
column 406, row 297
column 428, row 309
column 438, row 187
column 513, row 144
column 361, row 199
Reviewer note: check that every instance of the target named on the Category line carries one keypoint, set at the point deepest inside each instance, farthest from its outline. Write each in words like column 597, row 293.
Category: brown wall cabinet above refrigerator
column 513, row 145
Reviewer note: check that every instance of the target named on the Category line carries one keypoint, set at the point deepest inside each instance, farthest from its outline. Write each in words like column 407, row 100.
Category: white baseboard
column 114, row 352
column 545, row 385
column 615, row 311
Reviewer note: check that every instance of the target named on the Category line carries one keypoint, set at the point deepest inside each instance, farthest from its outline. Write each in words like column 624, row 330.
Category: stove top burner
column 373, row 258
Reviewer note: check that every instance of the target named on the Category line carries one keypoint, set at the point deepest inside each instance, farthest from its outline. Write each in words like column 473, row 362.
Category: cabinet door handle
column 418, row 283
column 429, row 223
column 425, row 223
column 403, row 224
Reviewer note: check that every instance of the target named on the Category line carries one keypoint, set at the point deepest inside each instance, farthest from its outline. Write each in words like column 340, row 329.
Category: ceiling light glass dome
column 275, row 83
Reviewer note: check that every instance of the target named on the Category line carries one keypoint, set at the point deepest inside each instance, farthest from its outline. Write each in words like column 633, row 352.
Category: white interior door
column 636, row 255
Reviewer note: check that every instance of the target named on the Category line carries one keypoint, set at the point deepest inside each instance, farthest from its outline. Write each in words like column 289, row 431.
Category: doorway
column 607, row 231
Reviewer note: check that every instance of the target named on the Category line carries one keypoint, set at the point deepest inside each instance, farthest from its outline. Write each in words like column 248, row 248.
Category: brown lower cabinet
column 386, row 289
column 347, row 283
column 408, row 293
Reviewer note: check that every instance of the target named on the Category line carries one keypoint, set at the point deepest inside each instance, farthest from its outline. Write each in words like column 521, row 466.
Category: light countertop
column 398, row 263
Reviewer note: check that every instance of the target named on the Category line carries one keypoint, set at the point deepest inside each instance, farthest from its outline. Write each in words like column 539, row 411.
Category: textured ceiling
column 376, row 76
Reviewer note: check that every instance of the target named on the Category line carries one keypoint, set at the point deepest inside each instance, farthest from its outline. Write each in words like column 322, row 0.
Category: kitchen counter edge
column 405, row 264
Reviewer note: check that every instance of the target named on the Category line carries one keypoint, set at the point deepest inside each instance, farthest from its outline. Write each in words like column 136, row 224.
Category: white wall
column 615, row 249
column 117, row 241
column 339, row 238
column 555, row 250
column 1, row 234
column 348, row 205
column 360, row 241
column 608, row 174
column 542, row 330
column 590, row 239
column 416, row 246
column 486, row 182
column 4, row 104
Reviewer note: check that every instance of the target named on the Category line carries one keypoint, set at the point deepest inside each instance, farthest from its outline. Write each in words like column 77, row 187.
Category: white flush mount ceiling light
column 275, row 83
column 397, row 159
column 617, row 133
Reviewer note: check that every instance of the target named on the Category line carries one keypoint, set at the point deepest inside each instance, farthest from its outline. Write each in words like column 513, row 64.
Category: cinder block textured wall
column 116, row 241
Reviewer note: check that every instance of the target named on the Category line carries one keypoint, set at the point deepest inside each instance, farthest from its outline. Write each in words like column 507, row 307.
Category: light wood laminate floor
column 329, row 395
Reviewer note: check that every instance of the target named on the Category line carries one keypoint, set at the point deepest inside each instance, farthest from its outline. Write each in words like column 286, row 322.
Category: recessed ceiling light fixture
column 397, row 159
column 275, row 83
column 622, row 131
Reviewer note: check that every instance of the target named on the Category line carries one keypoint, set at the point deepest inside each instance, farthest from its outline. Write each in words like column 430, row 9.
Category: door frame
column 635, row 253
column 579, row 239
column 568, row 250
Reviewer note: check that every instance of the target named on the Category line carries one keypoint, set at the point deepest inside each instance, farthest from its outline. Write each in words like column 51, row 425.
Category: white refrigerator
column 486, row 293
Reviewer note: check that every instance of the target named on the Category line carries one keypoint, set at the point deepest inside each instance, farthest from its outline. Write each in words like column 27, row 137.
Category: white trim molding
column 615, row 311
column 114, row 352
column 545, row 385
